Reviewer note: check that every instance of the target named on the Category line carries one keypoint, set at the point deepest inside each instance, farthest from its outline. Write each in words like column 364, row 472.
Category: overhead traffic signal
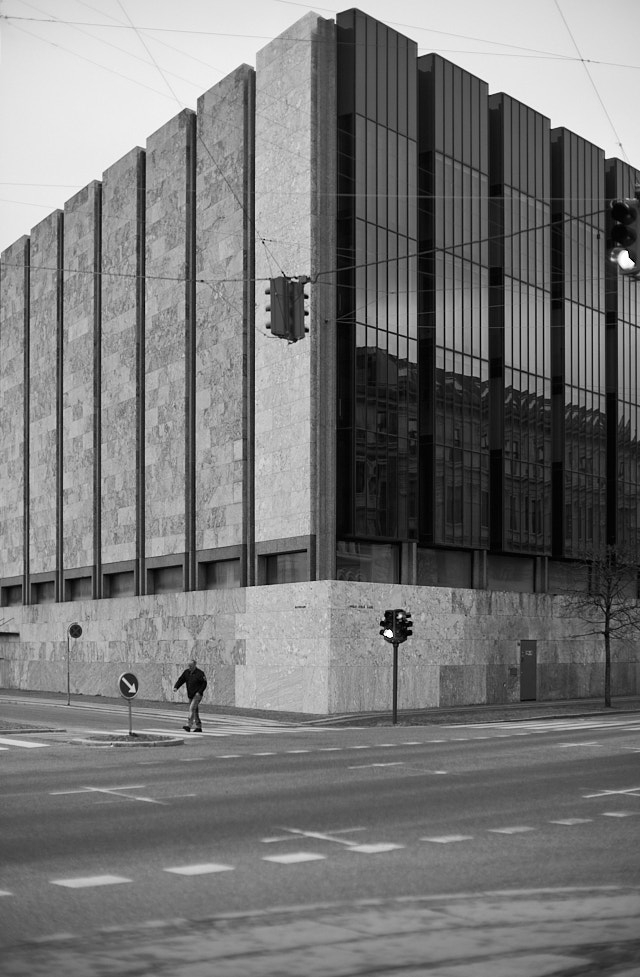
column 386, row 626
column 286, row 308
column 278, row 307
column 297, row 310
column 624, row 236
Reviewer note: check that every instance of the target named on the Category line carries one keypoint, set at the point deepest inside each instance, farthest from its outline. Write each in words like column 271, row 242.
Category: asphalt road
column 246, row 818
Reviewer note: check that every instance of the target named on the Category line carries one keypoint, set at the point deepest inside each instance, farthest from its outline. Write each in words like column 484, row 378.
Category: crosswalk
column 218, row 727
column 7, row 742
column 629, row 722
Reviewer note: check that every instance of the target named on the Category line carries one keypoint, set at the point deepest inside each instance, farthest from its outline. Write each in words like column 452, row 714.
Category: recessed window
column 370, row 562
column 78, row 588
column 121, row 584
column 11, row 596
column 220, row 574
column 166, row 580
column 43, row 593
column 286, row 567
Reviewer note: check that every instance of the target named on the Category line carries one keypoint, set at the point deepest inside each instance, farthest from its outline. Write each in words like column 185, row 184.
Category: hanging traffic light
column 278, row 307
column 386, row 626
column 297, row 310
column 624, row 236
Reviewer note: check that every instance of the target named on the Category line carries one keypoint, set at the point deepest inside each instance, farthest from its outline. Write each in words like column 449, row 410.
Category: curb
column 103, row 740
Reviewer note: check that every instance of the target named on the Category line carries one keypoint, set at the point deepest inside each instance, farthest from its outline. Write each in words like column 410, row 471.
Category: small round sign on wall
column 75, row 631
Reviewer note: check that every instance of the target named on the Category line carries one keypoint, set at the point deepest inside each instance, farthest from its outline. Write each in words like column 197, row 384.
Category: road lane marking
column 448, row 839
column 5, row 892
column 367, row 766
column 375, row 849
column 566, row 746
column 620, row 814
column 632, row 791
column 90, row 881
column 110, row 790
column 205, row 868
column 28, row 745
column 316, row 835
column 516, row 829
column 572, row 821
column 294, row 857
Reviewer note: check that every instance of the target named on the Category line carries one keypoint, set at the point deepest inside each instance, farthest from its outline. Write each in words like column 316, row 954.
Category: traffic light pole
column 395, row 682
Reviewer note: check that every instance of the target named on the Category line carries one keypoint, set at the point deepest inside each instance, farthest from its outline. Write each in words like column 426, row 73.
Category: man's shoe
column 187, row 729
column 197, row 730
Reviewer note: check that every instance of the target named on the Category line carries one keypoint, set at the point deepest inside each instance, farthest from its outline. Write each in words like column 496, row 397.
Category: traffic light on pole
column 278, row 307
column 386, row 626
column 398, row 625
column 408, row 625
column 624, row 236
column 402, row 625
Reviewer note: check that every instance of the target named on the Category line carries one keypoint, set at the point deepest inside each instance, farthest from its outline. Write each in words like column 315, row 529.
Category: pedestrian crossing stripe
column 27, row 744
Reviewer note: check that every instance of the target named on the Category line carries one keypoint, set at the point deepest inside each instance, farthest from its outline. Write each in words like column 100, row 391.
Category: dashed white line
column 205, row 868
column 375, row 849
column 516, row 829
column 295, row 857
column 571, row 821
column 90, row 881
column 448, row 839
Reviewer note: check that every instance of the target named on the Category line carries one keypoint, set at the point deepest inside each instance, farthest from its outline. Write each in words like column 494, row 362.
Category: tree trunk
column 607, row 666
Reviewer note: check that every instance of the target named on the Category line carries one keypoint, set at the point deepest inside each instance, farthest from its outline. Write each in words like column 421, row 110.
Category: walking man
column 196, row 684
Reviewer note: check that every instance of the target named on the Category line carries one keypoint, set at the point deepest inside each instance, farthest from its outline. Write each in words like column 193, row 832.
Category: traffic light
column 278, row 307
column 399, row 617
column 386, row 626
column 297, row 310
column 408, row 625
column 624, row 236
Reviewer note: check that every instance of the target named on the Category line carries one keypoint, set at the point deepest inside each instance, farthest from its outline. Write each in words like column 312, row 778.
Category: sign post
column 73, row 631
column 128, row 688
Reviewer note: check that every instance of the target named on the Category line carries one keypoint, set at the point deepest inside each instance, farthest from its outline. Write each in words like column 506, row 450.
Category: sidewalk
column 454, row 715
column 590, row 932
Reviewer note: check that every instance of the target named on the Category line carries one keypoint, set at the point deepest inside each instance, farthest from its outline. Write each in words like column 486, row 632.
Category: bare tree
column 609, row 603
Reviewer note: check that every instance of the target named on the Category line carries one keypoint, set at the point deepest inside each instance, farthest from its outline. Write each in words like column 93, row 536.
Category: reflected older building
column 623, row 367
column 454, row 351
column 377, row 335
column 578, row 346
column 519, row 329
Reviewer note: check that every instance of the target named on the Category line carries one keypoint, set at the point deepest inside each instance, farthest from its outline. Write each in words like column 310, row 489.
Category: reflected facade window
column 579, row 443
column 520, row 328
column 453, row 303
column 377, row 284
column 623, row 407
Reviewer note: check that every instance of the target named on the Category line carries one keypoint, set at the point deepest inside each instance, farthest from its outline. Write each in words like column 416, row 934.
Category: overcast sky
column 84, row 81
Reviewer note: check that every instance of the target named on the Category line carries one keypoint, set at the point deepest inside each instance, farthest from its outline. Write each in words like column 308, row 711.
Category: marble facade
column 313, row 647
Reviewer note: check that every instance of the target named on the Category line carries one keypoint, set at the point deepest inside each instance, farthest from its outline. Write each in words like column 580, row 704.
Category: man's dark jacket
column 196, row 681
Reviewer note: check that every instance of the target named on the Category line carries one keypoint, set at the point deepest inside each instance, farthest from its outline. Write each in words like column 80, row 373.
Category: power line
column 590, row 77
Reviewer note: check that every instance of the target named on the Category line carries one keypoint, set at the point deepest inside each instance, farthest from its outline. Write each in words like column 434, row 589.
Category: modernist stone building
column 457, row 429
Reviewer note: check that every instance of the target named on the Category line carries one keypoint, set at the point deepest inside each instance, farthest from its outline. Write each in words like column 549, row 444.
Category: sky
column 84, row 81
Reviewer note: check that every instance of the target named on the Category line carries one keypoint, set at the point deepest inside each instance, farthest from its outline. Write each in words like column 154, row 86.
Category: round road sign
column 75, row 630
column 128, row 685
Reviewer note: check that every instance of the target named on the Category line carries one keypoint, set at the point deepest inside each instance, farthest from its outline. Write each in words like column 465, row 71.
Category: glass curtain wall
column 578, row 346
column 519, row 328
column 623, row 407
column 377, row 291
column 453, row 292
